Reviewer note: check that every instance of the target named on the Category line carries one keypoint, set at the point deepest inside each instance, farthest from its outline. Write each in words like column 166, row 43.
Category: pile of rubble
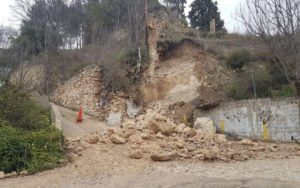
column 156, row 136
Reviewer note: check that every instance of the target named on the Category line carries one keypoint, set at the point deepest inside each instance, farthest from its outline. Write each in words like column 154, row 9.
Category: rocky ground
column 109, row 166
column 152, row 151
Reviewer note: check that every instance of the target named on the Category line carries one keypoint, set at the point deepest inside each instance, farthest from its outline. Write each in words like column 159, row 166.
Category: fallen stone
column 135, row 139
column 163, row 156
column 146, row 135
column 240, row 157
column 211, row 154
column 128, row 133
column 180, row 144
column 159, row 117
column 94, row 139
column 206, row 125
column 2, row 175
column 298, row 154
column 220, row 138
column 247, row 142
column 162, row 127
column 150, row 148
column 117, row 139
column 159, row 136
column 114, row 119
column 273, row 149
column 10, row 175
column 189, row 132
column 24, row 173
column 136, row 154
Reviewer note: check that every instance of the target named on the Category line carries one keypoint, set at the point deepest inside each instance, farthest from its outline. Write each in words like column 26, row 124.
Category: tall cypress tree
column 202, row 12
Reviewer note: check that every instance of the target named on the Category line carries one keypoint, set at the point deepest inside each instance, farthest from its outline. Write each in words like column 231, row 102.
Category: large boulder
column 114, row 119
column 206, row 125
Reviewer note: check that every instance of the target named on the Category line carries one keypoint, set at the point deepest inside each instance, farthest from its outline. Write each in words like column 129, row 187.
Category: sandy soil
column 109, row 167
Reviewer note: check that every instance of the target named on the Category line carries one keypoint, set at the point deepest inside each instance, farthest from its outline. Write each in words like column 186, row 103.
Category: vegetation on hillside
column 28, row 140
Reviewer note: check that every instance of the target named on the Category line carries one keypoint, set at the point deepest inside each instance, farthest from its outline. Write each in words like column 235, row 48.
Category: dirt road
column 109, row 167
column 72, row 129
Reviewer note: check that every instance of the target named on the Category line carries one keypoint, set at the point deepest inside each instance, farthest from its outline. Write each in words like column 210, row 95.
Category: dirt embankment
column 184, row 73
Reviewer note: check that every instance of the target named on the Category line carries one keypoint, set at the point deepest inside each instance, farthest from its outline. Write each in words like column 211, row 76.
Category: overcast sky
column 227, row 8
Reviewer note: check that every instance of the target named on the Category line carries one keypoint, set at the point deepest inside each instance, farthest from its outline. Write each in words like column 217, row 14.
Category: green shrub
column 238, row 59
column 17, row 108
column 33, row 151
column 285, row 91
column 235, row 91
column 27, row 138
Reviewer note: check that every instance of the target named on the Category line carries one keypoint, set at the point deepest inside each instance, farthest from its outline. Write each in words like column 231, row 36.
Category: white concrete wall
column 56, row 116
column 265, row 119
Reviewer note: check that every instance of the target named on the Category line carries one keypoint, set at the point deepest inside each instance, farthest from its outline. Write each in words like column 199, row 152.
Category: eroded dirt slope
column 184, row 73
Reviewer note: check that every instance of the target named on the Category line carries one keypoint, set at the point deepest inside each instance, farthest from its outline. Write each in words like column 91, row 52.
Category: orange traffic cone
column 79, row 116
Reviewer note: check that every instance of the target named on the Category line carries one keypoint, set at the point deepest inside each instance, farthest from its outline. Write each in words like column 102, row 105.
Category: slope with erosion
column 185, row 73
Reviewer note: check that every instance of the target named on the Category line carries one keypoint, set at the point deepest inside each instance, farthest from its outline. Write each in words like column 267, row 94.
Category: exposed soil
column 184, row 73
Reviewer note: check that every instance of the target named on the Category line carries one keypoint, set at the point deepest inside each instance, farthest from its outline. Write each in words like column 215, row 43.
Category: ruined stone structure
column 212, row 26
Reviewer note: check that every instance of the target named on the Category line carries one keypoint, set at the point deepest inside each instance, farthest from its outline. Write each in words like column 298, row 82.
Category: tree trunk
column 297, row 85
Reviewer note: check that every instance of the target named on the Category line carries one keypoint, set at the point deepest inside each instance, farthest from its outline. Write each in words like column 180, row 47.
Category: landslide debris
column 155, row 136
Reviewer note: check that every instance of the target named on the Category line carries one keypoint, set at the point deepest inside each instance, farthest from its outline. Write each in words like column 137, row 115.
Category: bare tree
column 277, row 23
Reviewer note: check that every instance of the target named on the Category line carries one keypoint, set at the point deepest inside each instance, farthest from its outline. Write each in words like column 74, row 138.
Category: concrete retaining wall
column 56, row 116
column 265, row 119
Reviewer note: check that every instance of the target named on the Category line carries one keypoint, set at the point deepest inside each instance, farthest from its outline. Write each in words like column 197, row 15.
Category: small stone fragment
column 117, row 139
column 136, row 154
column 163, row 156
column 94, row 139
column 2, row 175
column 135, row 139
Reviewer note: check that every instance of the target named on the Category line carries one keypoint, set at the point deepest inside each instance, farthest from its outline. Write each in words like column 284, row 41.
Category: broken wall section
column 264, row 119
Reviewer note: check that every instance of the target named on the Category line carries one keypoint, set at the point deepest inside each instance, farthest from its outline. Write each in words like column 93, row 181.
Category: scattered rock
column 2, row 175
column 206, row 125
column 159, row 117
column 114, row 119
column 10, row 175
column 117, row 139
column 160, row 136
column 163, row 156
column 135, row 139
column 146, row 135
column 136, row 154
column 220, row 138
column 149, row 148
column 273, row 149
column 248, row 142
column 189, row 132
column 24, row 173
column 211, row 154
column 93, row 139
column 162, row 127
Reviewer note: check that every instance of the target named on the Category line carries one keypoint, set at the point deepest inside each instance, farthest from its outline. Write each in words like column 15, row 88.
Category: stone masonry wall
column 81, row 90
column 265, row 119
